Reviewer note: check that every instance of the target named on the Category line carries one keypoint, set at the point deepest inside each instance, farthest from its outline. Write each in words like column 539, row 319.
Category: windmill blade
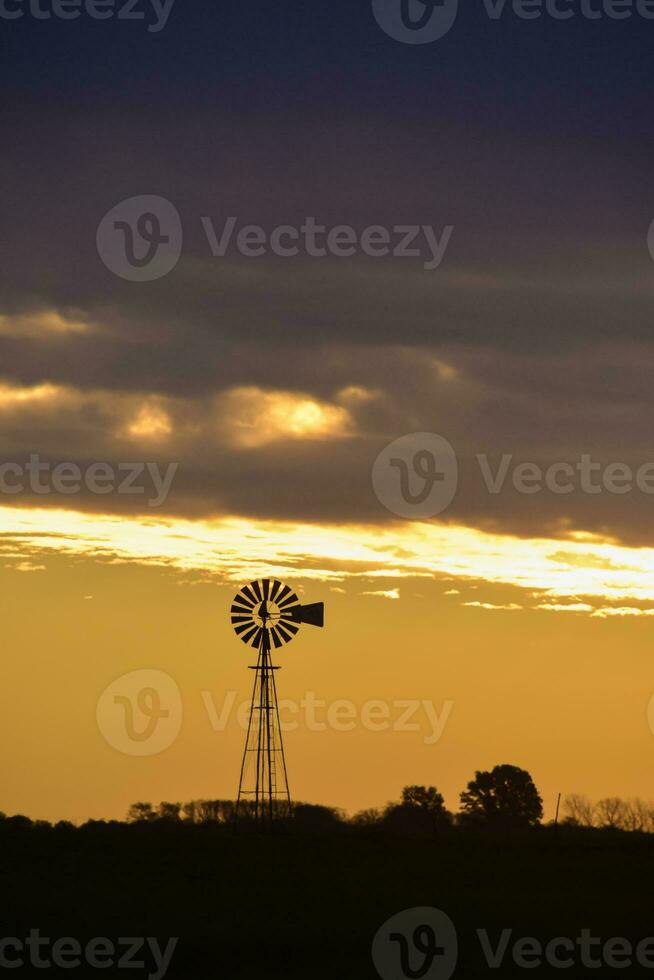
column 276, row 586
column 252, row 630
column 256, row 639
column 275, row 637
column 247, row 595
column 285, row 591
column 288, row 601
column 286, row 636
column 256, row 588
column 266, row 588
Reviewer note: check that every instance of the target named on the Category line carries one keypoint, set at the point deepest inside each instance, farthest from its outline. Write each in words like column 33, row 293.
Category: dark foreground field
column 309, row 906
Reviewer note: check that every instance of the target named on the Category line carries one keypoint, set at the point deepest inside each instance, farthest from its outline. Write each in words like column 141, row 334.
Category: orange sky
column 514, row 645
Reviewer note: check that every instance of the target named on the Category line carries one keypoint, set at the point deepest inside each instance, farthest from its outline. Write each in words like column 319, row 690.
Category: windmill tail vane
column 264, row 612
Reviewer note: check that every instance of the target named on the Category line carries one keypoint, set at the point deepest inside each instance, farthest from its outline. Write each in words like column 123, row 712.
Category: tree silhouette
column 141, row 812
column 578, row 810
column 370, row 817
column 169, row 811
column 421, row 810
column 611, row 813
column 425, row 797
column 19, row 822
column 504, row 797
column 313, row 817
column 638, row 816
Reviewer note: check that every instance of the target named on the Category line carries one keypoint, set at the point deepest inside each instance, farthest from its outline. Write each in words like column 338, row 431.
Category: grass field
column 309, row 906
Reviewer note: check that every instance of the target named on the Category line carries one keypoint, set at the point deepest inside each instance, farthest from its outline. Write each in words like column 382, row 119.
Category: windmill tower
column 265, row 611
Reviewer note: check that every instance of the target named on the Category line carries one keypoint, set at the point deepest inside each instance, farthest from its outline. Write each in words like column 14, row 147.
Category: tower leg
column 263, row 793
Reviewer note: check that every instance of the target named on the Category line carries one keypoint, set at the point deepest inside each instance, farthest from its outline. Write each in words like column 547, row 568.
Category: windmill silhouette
column 262, row 611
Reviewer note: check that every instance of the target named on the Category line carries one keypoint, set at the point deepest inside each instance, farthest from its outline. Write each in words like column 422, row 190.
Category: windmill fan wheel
column 266, row 604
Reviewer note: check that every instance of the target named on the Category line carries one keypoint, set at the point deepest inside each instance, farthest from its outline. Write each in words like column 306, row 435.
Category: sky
column 231, row 410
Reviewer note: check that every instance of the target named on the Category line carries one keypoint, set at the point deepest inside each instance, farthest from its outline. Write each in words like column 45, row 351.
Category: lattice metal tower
column 263, row 611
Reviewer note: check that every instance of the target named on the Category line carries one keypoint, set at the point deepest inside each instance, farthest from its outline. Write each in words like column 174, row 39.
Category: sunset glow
column 231, row 549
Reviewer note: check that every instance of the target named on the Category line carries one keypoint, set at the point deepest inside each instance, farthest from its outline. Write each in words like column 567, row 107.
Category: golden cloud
column 235, row 549
column 12, row 396
column 42, row 323
column 152, row 422
column 254, row 417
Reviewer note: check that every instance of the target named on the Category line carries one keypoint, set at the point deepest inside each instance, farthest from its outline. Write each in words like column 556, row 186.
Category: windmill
column 265, row 611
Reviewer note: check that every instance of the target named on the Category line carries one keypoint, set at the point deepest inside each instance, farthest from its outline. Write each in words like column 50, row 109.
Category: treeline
column 504, row 798
column 611, row 813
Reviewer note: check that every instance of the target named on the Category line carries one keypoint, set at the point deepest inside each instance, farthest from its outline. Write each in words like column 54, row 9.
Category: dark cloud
column 542, row 413
column 533, row 337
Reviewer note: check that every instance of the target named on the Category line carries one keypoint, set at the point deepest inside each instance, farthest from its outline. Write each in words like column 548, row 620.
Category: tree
column 638, row 816
column 211, row 811
column 421, row 811
column 208, row 811
column 611, row 813
column 19, row 822
column 578, row 811
column 367, row 818
column 190, row 812
column 169, row 811
column 504, row 797
column 313, row 817
column 426, row 797
column 140, row 812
